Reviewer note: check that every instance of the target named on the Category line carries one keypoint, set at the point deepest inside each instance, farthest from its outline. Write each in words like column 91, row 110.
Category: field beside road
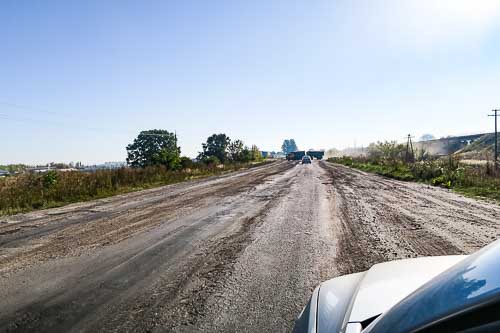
column 239, row 252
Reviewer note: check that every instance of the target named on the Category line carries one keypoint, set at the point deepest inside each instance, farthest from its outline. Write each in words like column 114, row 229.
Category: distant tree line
column 13, row 167
column 220, row 149
column 160, row 147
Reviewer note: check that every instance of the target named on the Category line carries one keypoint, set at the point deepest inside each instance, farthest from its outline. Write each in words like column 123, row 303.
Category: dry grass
column 30, row 191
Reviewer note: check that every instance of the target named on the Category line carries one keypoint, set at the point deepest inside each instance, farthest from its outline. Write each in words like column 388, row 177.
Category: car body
column 428, row 294
column 306, row 160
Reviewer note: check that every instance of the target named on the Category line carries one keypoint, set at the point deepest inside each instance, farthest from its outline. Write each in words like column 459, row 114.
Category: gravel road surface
column 235, row 253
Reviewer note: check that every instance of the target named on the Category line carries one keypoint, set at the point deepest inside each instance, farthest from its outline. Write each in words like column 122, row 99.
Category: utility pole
column 496, row 135
column 410, row 155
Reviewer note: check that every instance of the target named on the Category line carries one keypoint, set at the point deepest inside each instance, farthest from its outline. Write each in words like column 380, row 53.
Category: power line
column 64, row 125
column 23, row 119
column 26, row 107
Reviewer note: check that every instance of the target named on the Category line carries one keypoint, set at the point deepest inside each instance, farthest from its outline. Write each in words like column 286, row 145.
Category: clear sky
column 80, row 79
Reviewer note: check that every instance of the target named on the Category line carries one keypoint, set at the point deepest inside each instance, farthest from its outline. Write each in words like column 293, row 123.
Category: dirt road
column 240, row 252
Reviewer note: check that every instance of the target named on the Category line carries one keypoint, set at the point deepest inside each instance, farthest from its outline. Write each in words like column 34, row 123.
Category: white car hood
column 385, row 284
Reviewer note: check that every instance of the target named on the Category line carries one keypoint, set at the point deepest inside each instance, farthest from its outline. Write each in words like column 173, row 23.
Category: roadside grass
column 28, row 192
column 479, row 192
column 471, row 181
column 397, row 171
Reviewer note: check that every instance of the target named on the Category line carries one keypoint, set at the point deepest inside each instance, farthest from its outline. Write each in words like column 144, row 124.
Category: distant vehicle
column 306, row 160
column 318, row 154
column 428, row 294
column 295, row 155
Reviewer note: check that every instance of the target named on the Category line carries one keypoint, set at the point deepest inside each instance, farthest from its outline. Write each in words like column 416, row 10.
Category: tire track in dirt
column 76, row 231
column 291, row 252
column 240, row 252
column 125, row 285
column 382, row 219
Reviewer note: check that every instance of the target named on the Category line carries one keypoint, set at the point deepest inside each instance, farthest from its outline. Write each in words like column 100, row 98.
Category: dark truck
column 297, row 155
column 317, row 154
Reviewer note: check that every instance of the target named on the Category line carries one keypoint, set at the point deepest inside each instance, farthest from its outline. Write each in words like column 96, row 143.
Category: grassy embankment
column 474, row 181
column 29, row 191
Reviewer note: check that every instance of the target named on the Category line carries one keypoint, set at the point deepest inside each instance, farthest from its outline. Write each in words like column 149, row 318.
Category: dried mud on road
column 380, row 219
column 236, row 253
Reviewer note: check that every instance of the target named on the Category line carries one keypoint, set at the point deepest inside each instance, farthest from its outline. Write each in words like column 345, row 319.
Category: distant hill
column 480, row 148
column 476, row 146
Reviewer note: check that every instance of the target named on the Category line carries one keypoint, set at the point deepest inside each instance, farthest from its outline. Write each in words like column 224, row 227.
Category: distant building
column 39, row 169
column 105, row 166
column 67, row 169
column 115, row 165
column 77, row 167
column 43, row 169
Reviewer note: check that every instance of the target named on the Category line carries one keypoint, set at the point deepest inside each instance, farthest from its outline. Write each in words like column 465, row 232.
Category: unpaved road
column 238, row 253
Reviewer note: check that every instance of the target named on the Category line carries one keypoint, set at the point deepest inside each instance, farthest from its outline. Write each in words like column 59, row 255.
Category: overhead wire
column 24, row 119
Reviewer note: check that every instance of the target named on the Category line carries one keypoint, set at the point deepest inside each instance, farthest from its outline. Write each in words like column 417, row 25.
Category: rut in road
column 380, row 219
column 94, row 280
column 74, row 229
column 240, row 252
column 292, row 251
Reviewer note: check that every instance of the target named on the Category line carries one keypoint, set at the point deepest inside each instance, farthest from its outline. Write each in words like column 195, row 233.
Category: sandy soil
column 241, row 252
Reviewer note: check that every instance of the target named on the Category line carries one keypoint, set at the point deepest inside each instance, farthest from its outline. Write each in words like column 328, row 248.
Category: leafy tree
column 235, row 150
column 154, row 147
column 216, row 145
column 256, row 154
column 220, row 149
column 169, row 158
column 289, row 146
column 246, row 155
column 212, row 160
column 285, row 147
column 186, row 162
column 388, row 151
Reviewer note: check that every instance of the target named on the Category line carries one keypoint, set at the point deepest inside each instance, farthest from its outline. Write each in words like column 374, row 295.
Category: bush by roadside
column 397, row 170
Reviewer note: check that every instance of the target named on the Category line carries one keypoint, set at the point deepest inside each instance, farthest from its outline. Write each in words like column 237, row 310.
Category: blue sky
column 79, row 80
